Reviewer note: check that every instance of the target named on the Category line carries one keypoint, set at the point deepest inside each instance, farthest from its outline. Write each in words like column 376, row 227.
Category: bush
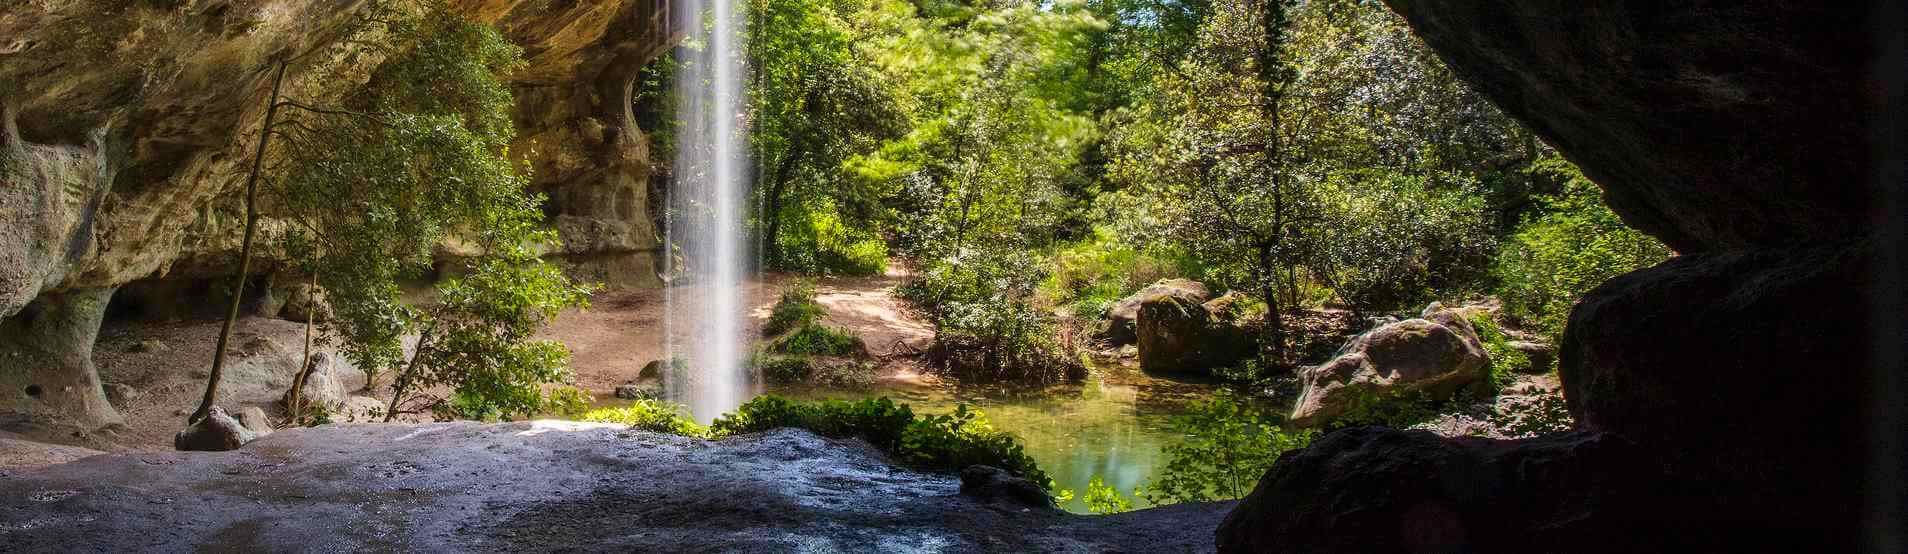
column 940, row 443
column 1089, row 277
column 833, row 374
column 989, row 325
column 1571, row 245
column 1505, row 361
column 1400, row 238
column 649, row 415
column 1228, row 446
column 1103, row 499
column 813, row 339
column 796, row 308
column 818, row 241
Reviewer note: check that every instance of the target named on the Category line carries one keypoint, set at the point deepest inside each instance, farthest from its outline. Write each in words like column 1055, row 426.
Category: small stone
column 218, row 432
column 120, row 394
column 254, row 419
column 150, row 346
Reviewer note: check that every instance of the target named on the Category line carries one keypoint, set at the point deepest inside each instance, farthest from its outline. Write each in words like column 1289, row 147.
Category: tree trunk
column 1268, row 290
column 245, row 251
column 295, row 403
column 777, row 187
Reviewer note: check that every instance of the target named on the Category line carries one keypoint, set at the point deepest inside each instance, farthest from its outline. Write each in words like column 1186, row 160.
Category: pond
column 1114, row 425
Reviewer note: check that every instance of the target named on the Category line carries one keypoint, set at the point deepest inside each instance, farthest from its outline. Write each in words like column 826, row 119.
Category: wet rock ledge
column 543, row 486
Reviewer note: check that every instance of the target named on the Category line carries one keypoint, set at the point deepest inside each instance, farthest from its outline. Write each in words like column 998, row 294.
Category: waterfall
column 704, row 302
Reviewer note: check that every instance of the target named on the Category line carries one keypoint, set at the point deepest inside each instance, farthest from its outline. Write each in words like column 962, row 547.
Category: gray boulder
column 1434, row 356
column 254, row 420
column 992, row 484
column 303, row 300
column 1177, row 335
column 322, row 388
column 1120, row 325
column 218, row 432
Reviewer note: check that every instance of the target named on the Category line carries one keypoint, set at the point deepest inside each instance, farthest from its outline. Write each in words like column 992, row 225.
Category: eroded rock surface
column 1432, row 356
column 545, row 486
column 1121, row 322
column 126, row 129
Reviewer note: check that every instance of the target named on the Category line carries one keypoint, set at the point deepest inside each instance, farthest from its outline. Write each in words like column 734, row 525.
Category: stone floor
column 544, row 486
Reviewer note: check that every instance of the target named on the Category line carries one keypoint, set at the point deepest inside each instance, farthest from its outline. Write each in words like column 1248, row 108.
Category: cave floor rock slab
column 544, row 486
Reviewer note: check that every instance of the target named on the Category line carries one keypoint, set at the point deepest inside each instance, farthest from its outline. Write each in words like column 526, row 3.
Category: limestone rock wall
column 137, row 116
column 126, row 128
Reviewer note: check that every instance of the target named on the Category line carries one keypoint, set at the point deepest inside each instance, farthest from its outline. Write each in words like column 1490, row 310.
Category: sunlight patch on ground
column 542, row 426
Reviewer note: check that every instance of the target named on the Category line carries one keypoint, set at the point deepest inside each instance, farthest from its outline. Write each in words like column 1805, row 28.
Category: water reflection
column 1114, row 425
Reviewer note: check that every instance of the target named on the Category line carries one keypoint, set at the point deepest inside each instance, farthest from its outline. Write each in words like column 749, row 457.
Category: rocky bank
column 545, row 486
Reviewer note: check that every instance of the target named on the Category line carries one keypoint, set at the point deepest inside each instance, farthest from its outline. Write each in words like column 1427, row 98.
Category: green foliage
column 1505, row 361
column 1090, row 276
column 796, row 308
column 814, row 339
column 418, row 157
column 945, row 442
column 1573, row 244
column 1103, row 499
column 1228, row 446
column 1394, row 409
column 650, row 415
column 989, row 325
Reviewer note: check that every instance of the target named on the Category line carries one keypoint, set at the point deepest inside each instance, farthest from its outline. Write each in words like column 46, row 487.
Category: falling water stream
column 705, row 217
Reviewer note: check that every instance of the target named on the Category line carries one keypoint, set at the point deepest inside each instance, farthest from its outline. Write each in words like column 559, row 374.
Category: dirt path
column 623, row 330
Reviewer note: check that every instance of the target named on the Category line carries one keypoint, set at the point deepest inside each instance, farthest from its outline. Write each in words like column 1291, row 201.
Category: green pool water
column 1114, row 425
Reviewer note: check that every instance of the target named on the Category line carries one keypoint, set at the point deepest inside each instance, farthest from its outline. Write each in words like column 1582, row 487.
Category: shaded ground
column 544, row 486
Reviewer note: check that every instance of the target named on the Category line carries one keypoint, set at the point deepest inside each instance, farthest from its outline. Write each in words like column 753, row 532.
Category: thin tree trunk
column 245, row 251
column 295, row 403
column 404, row 376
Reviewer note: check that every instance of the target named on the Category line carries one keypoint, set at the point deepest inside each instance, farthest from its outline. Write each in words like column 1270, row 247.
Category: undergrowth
column 946, row 442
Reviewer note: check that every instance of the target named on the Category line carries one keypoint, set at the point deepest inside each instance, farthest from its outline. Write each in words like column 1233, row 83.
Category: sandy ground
column 610, row 342
column 623, row 330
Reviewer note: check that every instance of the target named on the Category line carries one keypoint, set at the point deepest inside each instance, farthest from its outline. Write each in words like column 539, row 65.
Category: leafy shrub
column 796, row 308
column 989, row 326
column 649, row 415
column 1103, row 499
column 942, row 442
column 1228, row 446
column 1397, row 239
column 833, row 374
column 1394, row 409
column 813, row 339
column 1571, row 245
column 820, row 242
column 1092, row 275
column 1505, row 361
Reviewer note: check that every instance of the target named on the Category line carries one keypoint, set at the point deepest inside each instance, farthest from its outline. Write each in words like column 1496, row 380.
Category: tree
column 816, row 102
column 414, row 163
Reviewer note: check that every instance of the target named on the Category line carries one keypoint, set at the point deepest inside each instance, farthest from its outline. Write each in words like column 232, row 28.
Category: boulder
column 304, row 300
column 1177, row 335
column 992, row 484
column 1434, row 356
column 1690, row 381
column 1543, row 356
column 1373, row 489
column 322, row 387
column 1121, row 322
column 254, row 420
column 218, row 432
column 637, row 391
